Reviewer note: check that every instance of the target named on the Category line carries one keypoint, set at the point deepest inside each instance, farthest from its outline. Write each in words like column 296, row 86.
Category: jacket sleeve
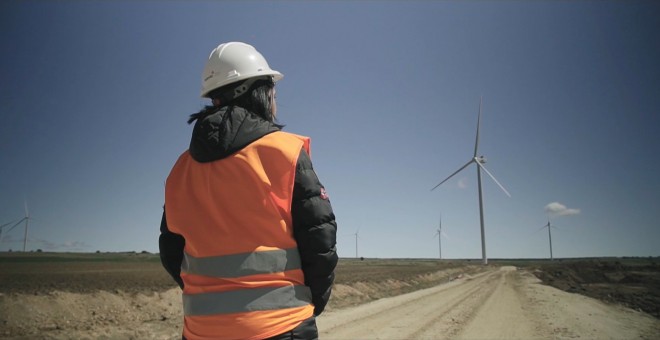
column 315, row 231
column 171, row 251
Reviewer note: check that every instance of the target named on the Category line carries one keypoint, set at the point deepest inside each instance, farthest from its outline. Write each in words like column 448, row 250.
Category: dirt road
column 502, row 303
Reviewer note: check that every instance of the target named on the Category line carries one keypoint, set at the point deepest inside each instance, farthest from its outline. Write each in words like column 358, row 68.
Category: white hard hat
column 232, row 62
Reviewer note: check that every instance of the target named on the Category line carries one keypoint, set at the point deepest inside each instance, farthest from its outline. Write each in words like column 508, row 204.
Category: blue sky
column 95, row 97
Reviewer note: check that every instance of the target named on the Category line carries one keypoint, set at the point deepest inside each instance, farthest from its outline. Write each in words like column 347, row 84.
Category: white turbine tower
column 480, row 161
column 356, row 243
column 439, row 234
column 27, row 220
column 549, row 236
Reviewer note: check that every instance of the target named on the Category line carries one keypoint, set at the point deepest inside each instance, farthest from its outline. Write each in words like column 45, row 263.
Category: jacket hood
column 226, row 131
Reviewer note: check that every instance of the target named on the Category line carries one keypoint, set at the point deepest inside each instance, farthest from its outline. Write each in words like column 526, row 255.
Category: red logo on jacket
column 324, row 194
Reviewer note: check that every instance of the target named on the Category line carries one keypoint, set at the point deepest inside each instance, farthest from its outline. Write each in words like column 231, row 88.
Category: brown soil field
column 631, row 282
column 72, row 295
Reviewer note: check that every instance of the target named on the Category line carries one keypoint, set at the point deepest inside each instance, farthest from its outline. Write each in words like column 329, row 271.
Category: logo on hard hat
column 210, row 75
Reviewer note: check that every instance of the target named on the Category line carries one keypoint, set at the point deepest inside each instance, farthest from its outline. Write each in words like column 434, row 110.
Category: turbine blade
column 6, row 224
column 27, row 214
column 493, row 177
column 452, row 175
column 476, row 142
column 17, row 223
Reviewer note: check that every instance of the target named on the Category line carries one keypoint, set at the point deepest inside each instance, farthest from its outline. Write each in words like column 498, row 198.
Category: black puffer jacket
column 221, row 134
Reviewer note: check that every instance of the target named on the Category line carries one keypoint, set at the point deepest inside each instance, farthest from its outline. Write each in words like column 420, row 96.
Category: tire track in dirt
column 435, row 313
column 506, row 313
column 453, row 316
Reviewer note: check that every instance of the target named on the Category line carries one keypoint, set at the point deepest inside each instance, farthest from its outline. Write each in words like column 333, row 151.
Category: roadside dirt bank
column 139, row 314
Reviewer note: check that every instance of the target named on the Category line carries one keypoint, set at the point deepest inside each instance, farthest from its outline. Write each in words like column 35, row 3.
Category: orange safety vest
column 241, row 267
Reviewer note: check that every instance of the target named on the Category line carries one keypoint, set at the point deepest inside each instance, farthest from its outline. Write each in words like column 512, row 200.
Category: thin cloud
column 9, row 239
column 558, row 209
column 462, row 183
column 66, row 246
column 45, row 245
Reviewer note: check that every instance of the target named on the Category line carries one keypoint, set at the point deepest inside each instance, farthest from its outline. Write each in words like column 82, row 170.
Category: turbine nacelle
column 480, row 159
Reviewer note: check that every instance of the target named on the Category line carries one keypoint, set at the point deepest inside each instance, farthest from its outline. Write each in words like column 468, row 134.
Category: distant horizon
column 355, row 258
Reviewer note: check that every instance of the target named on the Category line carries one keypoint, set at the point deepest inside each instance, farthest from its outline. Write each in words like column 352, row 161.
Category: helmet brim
column 277, row 76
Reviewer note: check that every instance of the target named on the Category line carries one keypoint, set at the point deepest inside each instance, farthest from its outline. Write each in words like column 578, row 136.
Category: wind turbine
column 439, row 234
column 356, row 242
column 480, row 161
column 549, row 236
column 25, row 219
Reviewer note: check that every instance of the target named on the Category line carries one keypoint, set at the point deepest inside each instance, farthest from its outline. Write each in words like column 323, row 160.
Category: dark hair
column 256, row 100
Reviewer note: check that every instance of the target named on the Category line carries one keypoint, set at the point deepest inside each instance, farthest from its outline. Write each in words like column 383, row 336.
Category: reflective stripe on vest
column 246, row 300
column 237, row 265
